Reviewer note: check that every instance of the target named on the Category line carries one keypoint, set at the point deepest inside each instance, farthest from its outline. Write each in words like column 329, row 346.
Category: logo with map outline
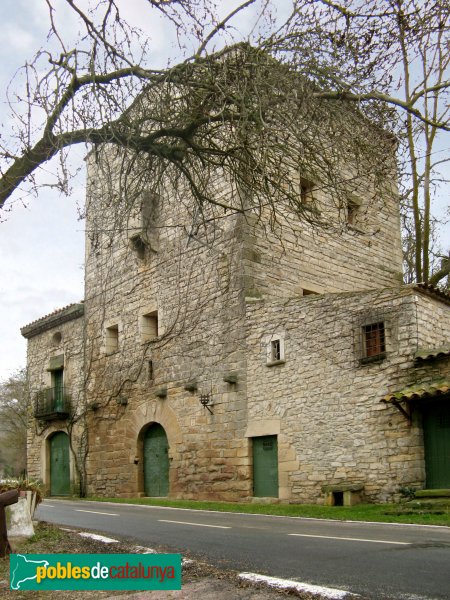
column 24, row 570
column 95, row 572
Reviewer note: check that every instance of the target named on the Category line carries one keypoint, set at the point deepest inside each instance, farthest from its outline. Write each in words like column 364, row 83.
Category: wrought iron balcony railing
column 52, row 403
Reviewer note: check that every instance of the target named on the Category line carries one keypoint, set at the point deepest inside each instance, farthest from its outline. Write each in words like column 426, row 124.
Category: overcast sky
column 42, row 240
column 41, row 244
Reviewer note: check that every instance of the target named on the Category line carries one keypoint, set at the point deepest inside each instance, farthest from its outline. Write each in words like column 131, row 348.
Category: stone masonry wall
column 292, row 256
column 433, row 322
column 217, row 286
column 195, row 285
column 63, row 339
column 333, row 428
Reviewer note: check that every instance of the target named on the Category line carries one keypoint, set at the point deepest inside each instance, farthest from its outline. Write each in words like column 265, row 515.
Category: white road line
column 195, row 524
column 99, row 538
column 144, row 550
column 350, row 539
column 96, row 512
column 289, row 584
column 47, row 505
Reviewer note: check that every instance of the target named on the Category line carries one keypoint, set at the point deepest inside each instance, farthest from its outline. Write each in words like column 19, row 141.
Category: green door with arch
column 59, row 464
column 156, row 462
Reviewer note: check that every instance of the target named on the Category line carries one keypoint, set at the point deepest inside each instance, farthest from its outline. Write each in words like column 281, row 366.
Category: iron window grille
column 373, row 342
column 52, row 403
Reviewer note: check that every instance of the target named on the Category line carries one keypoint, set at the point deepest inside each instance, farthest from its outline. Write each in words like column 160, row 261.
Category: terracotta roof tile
column 57, row 317
column 419, row 391
column 432, row 353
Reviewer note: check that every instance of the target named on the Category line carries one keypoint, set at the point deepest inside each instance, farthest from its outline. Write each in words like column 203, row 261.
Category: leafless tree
column 14, row 403
column 228, row 103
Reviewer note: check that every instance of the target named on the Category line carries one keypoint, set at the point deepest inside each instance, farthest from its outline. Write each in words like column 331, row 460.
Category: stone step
column 429, row 504
column 432, row 493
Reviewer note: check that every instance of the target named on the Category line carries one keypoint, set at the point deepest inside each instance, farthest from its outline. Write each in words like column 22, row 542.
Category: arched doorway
column 156, row 461
column 59, row 464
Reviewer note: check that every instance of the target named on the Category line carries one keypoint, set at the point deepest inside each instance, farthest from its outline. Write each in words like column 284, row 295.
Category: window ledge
column 273, row 363
column 157, row 338
column 367, row 360
column 112, row 352
column 356, row 229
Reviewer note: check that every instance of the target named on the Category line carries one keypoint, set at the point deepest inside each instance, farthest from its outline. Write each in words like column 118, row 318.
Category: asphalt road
column 378, row 561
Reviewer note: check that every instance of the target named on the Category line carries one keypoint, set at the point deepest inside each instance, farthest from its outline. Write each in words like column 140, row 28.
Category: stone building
column 234, row 361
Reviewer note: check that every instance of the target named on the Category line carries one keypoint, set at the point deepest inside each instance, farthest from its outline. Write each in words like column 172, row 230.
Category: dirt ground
column 200, row 581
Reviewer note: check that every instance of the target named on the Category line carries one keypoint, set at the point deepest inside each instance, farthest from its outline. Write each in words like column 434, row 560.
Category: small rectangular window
column 149, row 326
column 274, row 349
column 150, row 370
column 275, row 353
column 352, row 213
column 374, row 340
column 306, row 191
column 112, row 339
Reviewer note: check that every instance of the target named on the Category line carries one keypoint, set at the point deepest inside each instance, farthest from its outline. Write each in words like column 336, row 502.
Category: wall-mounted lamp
column 205, row 399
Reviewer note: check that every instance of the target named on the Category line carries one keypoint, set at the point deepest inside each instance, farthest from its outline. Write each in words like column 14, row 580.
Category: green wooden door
column 59, row 465
column 265, row 466
column 436, row 431
column 156, row 462
column 58, row 390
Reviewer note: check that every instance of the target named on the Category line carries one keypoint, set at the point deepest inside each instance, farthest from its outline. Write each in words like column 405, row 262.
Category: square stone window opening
column 149, row 327
column 112, row 339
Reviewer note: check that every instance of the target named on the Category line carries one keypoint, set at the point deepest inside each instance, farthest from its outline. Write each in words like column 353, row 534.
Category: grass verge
column 383, row 513
column 49, row 539
column 199, row 580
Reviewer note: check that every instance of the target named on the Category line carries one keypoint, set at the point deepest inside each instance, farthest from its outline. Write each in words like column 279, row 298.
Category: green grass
column 383, row 513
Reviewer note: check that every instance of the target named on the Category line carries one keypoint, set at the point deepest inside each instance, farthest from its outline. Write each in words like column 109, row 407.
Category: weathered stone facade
column 58, row 336
column 266, row 327
column 325, row 404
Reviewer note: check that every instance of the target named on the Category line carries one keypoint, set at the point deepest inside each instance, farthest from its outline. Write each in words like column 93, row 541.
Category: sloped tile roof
column 419, row 391
column 432, row 353
column 432, row 291
column 54, row 319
